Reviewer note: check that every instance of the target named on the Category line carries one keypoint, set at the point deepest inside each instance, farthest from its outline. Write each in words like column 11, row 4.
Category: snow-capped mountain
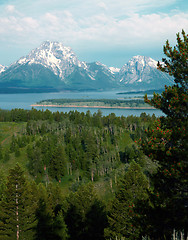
column 142, row 72
column 61, row 60
column 53, row 66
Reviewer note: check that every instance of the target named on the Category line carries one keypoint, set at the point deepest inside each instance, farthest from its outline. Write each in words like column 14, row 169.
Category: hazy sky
column 109, row 31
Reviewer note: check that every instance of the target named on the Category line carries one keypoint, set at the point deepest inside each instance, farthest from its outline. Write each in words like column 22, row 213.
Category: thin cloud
column 91, row 23
column 102, row 27
column 102, row 5
column 10, row 8
column 50, row 18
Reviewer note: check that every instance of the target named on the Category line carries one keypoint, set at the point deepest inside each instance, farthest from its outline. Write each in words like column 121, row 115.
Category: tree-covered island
column 95, row 103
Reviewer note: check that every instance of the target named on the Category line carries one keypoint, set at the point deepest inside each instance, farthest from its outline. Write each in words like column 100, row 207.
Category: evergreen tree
column 167, row 142
column 6, row 156
column 96, row 221
column 1, row 152
column 17, row 152
column 58, row 163
column 83, row 210
column 17, row 208
column 35, row 164
column 51, row 224
column 2, row 184
column 176, row 64
column 13, row 144
column 123, row 216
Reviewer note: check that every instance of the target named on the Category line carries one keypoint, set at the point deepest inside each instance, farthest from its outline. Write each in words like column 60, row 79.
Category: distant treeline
column 96, row 102
column 143, row 92
column 23, row 115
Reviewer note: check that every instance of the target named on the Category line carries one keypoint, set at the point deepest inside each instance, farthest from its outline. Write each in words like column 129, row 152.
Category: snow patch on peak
column 114, row 70
column 138, row 58
column 84, row 65
column 22, row 60
column 92, row 78
column 101, row 64
column 2, row 68
column 142, row 60
column 152, row 63
column 104, row 67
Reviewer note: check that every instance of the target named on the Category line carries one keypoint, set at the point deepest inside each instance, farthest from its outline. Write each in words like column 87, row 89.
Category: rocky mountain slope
column 54, row 66
column 142, row 73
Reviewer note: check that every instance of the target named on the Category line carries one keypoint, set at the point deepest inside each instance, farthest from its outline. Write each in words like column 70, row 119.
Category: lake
column 24, row 100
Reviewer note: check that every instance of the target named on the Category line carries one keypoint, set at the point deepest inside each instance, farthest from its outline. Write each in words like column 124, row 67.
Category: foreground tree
column 85, row 216
column 50, row 225
column 123, row 217
column 17, row 208
column 167, row 142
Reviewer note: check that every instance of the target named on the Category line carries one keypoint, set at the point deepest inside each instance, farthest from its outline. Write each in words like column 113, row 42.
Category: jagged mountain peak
column 54, row 47
column 102, row 66
column 49, row 51
column 54, row 56
column 142, row 61
column 145, row 60
column 142, row 72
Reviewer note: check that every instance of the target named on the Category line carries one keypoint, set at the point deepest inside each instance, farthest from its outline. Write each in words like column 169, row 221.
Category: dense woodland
column 80, row 176
column 72, row 153
column 61, row 144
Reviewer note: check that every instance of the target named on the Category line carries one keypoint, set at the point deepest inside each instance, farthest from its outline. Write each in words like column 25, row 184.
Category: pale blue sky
column 109, row 31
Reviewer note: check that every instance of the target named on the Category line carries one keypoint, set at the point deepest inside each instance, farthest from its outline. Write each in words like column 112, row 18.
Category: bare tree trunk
column 115, row 179
column 17, row 214
column 68, row 168
column 110, row 182
column 77, row 173
column 92, row 175
column 71, row 169
column 174, row 235
column 181, row 235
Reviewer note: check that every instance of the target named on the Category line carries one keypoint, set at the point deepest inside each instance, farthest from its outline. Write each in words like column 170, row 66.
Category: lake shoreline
column 85, row 106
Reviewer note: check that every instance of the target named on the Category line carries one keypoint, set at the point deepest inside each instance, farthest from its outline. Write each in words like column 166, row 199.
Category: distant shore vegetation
column 98, row 103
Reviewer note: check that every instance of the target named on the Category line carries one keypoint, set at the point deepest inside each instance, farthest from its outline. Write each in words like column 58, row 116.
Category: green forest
column 109, row 103
column 78, row 176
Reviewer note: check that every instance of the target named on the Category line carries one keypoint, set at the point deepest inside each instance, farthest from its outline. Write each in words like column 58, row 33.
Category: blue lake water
column 11, row 101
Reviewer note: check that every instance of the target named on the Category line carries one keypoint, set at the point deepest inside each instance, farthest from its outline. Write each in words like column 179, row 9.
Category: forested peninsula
column 95, row 103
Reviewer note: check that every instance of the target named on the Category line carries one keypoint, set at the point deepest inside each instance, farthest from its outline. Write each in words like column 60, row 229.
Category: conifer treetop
column 177, row 63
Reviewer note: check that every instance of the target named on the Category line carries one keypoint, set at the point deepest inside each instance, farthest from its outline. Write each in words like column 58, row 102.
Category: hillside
column 93, row 147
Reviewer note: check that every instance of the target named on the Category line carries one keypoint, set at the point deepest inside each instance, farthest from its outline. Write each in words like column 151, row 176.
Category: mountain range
column 55, row 67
